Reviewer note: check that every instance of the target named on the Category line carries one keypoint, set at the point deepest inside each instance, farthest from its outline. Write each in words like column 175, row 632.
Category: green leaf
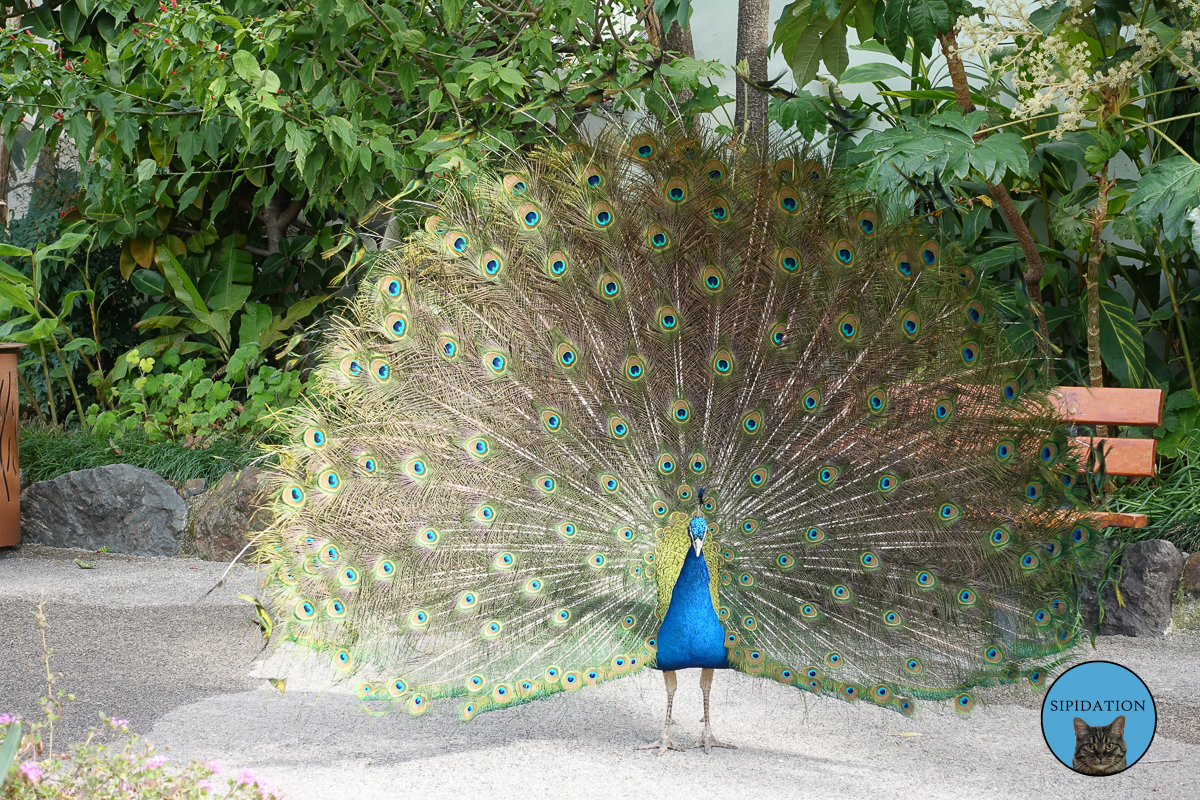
column 895, row 19
column 1180, row 400
column 148, row 282
column 256, row 320
column 17, row 297
column 71, row 20
column 1167, row 190
column 872, row 72
column 926, row 19
column 864, row 19
column 1045, row 18
column 1121, row 344
column 833, row 50
column 246, row 66
column 806, row 56
column 12, row 251
column 146, row 169
column 8, row 750
column 1108, row 14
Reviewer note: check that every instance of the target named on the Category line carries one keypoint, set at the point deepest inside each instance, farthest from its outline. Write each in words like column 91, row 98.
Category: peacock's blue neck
column 691, row 635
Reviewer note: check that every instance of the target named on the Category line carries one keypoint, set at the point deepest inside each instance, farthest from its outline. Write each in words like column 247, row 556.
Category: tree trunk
column 679, row 40
column 1099, row 213
column 5, row 162
column 753, row 37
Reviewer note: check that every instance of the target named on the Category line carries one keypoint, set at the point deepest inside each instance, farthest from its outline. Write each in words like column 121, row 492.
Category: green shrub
column 172, row 399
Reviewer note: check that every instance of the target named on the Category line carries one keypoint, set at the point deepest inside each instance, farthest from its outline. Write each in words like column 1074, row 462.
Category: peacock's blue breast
column 691, row 635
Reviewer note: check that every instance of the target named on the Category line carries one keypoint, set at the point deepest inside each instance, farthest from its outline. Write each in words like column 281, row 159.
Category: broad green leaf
column 185, row 291
column 833, row 50
column 872, row 72
column 895, row 19
column 145, row 169
column 864, row 19
column 255, row 321
column 926, row 19
column 17, row 296
column 1121, row 344
column 12, row 251
column 246, row 66
column 806, row 56
column 1168, row 190
column 148, row 282
column 71, row 20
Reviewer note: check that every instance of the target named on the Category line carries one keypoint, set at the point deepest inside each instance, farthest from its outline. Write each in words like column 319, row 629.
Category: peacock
column 662, row 401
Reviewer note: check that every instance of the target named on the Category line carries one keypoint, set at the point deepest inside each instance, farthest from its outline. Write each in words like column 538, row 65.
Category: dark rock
column 1149, row 578
column 124, row 508
column 1191, row 575
column 230, row 512
column 193, row 487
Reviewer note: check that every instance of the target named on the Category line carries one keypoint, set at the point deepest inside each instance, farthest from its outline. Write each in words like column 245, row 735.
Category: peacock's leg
column 707, row 740
column 665, row 742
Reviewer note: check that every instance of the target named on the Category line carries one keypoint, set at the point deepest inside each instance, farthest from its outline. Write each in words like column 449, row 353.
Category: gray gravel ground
column 132, row 638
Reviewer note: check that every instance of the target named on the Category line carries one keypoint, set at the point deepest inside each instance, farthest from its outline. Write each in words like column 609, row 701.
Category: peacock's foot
column 664, row 743
column 708, row 742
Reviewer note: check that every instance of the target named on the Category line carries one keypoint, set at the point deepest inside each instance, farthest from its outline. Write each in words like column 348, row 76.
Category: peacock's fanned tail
column 523, row 399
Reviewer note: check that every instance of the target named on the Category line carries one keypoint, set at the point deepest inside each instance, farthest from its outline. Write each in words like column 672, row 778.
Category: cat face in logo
column 1100, row 749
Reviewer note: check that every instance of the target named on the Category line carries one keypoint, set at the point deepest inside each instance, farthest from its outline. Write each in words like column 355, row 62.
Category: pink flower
column 32, row 771
column 155, row 762
column 5, row 719
column 267, row 789
column 204, row 785
column 214, row 767
column 246, row 777
column 119, row 723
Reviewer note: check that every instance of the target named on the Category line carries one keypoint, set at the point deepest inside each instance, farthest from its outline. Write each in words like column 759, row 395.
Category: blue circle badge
column 1098, row 718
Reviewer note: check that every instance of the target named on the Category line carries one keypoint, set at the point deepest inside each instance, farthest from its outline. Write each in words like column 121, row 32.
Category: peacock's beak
column 697, row 545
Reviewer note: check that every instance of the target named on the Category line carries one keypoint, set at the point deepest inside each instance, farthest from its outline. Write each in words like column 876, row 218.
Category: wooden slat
column 1105, row 406
column 1113, row 519
column 1133, row 458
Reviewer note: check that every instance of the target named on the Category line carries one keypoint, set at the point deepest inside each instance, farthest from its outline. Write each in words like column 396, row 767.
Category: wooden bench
column 1132, row 458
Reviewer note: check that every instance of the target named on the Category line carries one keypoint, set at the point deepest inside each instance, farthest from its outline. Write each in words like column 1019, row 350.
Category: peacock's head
column 698, row 528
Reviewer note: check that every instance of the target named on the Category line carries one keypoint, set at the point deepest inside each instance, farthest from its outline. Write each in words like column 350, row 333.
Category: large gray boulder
column 229, row 513
column 122, row 507
column 1149, row 579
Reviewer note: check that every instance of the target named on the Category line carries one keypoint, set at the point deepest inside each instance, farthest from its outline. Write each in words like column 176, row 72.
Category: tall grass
column 47, row 452
column 1171, row 501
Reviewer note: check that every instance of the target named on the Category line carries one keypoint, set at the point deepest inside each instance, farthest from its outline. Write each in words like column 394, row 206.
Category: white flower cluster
column 1050, row 74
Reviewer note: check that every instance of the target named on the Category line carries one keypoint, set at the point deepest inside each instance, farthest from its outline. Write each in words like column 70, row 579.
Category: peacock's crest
column 490, row 494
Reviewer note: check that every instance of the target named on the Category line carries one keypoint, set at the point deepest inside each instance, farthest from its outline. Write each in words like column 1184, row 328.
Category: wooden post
column 10, row 458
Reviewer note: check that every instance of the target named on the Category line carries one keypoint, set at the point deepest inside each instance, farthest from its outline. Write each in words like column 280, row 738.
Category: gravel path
column 133, row 637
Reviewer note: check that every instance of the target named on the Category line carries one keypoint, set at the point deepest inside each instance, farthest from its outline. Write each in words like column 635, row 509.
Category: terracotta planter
column 10, row 458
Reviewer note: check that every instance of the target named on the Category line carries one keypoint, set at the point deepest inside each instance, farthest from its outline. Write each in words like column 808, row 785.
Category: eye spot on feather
column 681, row 411
column 788, row 201
column 943, row 410
column 811, row 400
column 395, row 326
column 516, row 185
column 714, row 170
column 529, row 215
column 929, row 253
column 847, row 327
column 305, row 610
column 556, row 264
column 385, row 569
column 351, row 367
column 892, row 619
column 814, row 535
column 903, row 265
column 491, row 264
column 867, row 222
column 844, row 253
column 758, row 477
column 675, row 190
column 643, row 147
column 666, row 464
column 712, row 279
column 293, row 496
column 391, row 286
column 602, row 215
column 789, row 260
column 999, row 537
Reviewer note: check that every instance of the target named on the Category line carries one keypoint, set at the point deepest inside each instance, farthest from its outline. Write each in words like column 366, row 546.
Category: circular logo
column 1098, row 718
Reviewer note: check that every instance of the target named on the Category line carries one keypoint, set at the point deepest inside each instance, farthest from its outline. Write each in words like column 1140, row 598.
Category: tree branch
column 1034, row 268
